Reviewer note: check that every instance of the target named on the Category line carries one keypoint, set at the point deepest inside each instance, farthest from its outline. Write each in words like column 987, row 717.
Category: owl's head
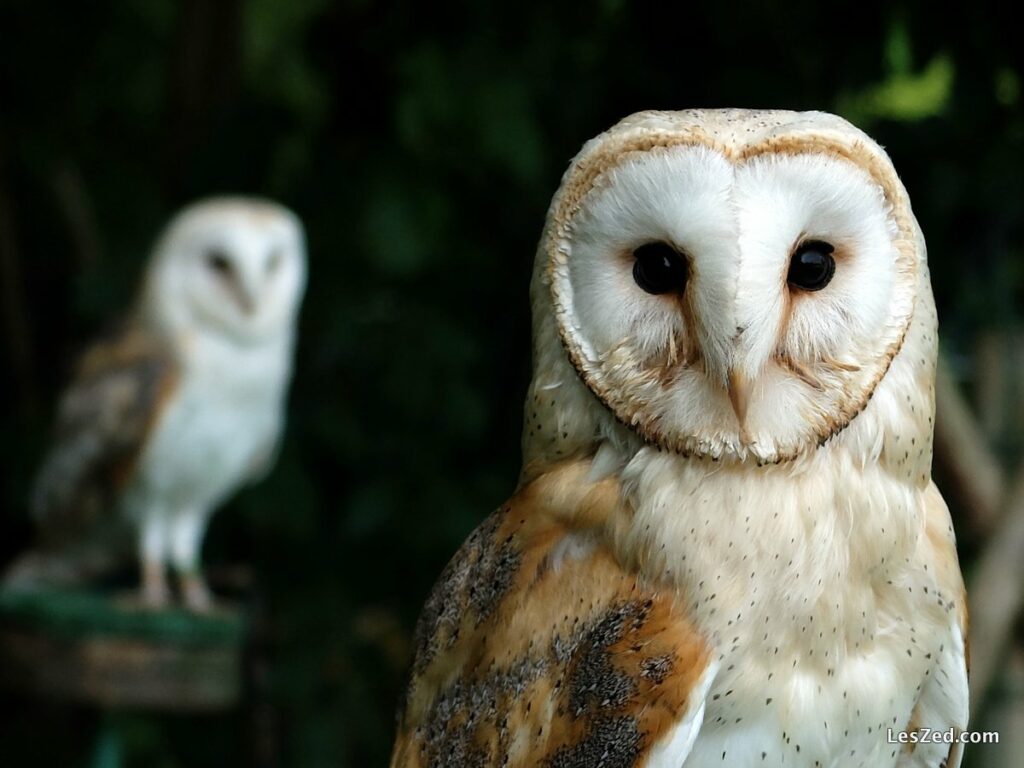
column 722, row 284
column 234, row 267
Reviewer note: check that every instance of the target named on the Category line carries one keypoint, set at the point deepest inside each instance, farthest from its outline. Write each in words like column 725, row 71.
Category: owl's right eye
column 218, row 262
column 659, row 268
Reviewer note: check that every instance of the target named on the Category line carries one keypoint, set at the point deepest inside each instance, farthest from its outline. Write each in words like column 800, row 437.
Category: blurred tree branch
column 977, row 484
column 998, row 588
column 12, row 291
column 74, row 202
column 974, row 474
column 203, row 74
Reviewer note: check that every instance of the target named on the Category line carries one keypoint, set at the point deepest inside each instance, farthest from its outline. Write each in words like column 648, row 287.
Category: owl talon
column 155, row 593
column 196, row 594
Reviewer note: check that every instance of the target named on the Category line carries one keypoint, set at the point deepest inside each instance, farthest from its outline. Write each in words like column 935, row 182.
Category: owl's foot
column 195, row 594
column 155, row 592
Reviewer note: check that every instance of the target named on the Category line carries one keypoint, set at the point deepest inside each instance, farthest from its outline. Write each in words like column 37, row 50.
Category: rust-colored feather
column 537, row 648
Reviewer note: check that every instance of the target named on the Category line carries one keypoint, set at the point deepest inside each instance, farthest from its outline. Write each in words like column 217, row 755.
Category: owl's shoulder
column 944, row 699
column 537, row 647
column 939, row 543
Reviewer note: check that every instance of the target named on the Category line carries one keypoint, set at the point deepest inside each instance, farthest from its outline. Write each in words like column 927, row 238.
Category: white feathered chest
column 803, row 583
column 221, row 426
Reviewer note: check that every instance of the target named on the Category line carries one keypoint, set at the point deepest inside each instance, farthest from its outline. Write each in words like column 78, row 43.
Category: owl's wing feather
column 120, row 387
column 538, row 648
column 943, row 704
column 265, row 459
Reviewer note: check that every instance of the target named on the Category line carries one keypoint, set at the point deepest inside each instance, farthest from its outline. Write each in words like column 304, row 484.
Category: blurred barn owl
column 725, row 548
column 179, row 408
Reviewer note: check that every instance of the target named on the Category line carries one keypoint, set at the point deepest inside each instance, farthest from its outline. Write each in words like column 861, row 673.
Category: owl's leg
column 152, row 555
column 187, row 529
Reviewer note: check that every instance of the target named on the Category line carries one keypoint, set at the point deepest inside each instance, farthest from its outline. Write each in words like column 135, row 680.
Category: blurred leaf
column 903, row 96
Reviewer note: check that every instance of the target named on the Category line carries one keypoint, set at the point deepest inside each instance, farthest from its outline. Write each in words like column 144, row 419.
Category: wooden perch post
column 95, row 649
column 106, row 652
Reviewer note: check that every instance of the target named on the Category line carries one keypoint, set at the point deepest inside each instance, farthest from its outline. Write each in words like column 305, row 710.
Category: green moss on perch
column 104, row 650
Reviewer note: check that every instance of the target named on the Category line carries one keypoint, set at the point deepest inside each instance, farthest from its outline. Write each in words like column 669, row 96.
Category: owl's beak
column 243, row 298
column 739, row 396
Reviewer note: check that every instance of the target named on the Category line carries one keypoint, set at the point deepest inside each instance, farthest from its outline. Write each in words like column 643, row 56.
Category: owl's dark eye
column 812, row 265
column 659, row 268
column 218, row 261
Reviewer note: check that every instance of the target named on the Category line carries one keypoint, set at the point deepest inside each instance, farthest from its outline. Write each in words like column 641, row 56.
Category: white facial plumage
column 737, row 363
column 231, row 266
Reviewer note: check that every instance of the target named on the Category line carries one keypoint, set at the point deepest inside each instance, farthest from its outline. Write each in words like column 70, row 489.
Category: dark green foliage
column 420, row 143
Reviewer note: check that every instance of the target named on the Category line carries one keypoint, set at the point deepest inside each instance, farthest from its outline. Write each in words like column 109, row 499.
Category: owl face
column 733, row 292
column 231, row 267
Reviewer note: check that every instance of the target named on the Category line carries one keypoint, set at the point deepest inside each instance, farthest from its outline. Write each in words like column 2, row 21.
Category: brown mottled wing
column 537, row 649
column 120, row 386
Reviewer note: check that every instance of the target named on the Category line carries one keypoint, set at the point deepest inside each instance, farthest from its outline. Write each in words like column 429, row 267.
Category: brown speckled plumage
column 537, row 649
column 119, row 389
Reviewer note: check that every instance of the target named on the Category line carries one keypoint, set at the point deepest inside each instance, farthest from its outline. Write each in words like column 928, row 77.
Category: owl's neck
column 214, row 361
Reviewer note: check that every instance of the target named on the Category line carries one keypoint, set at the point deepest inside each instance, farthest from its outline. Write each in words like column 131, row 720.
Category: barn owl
column 181, row 406
column 725, row 548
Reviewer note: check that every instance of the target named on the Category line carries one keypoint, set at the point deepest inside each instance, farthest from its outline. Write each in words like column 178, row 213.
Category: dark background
column 420, row 143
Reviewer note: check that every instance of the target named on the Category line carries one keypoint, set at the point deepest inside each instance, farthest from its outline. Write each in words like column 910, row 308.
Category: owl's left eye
column 659, row 268
column 218, row 261
column 812, row 265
